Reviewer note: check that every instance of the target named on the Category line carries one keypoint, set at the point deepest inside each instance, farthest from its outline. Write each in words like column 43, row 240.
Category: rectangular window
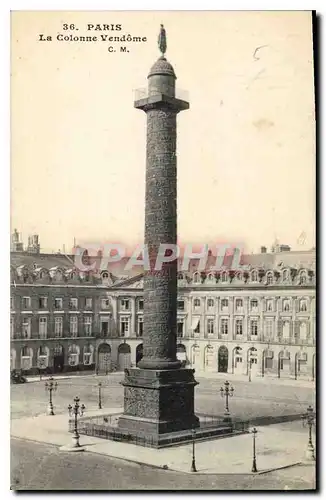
column 140, row 326
column 12, row 328
column 42, row 302
column 26, row 303
column 197, row 329
column 26, row 328
column 268, row 328
column 225, row 326
column 286, row 305
column 88, row 326
column 87, row 358
column 73, row 324
column 224, row 304
column 269, row 305
column 58, row 303
column 58, row 327
column 181, row 305
column 105, row 303
column 196, row 303
column 73, row 303
column 210, row 326
column 254, row 327
column 12, row 303
column 210, row 303
column 42, row 328
column 124, row 326
column 125, row 303
column 238, row 327
column 180, row 329
column 254, row 305
column 104, row 327
column 140, row 305
column 238, row 305
column 88, row 303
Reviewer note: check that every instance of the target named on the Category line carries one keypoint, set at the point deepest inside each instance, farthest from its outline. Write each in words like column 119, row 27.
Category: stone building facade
column 258, row 322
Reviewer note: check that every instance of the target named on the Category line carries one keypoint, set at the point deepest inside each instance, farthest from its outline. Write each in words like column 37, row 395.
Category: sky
column 246, row 146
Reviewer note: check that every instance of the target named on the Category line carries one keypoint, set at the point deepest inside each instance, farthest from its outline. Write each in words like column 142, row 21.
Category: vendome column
column 159, row 394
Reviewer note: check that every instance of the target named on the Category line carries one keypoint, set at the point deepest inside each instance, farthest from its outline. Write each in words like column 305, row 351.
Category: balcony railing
column 143, row 93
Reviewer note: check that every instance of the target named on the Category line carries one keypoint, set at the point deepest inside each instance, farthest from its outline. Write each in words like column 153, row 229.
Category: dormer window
column 105, row 276
column 269, row 279
column 302, row 278
column 224, row 277
column 285, row 275
column 254, row 276
column 196, row 278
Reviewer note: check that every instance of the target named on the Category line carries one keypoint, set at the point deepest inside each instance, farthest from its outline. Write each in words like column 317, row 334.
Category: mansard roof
column 31, row 268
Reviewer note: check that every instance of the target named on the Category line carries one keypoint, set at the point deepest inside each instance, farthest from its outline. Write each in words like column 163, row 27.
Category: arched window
column 239, row 276
column 105, row 275
column 303, row 305
column 211, row 278
column 302, row 278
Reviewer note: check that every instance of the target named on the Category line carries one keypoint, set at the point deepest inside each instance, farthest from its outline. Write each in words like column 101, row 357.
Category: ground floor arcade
column 245, row 358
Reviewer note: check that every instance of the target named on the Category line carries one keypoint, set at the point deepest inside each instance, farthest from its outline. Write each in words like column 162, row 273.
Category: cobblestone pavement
column 250, row 398
column 43, row 467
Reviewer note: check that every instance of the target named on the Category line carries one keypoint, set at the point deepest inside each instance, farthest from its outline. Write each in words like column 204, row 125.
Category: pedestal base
column 157, row 402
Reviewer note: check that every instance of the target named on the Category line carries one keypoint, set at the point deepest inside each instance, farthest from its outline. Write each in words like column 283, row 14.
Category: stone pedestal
column 158, row 401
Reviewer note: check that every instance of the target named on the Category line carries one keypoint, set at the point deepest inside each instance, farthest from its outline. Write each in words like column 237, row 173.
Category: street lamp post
column 50, row 386
column 254, row 464
column 193, row 462
column 227, row 392
column 99, row 396
column 106, row 361
column 77, row 411
column 41, row 366
column 309, row 419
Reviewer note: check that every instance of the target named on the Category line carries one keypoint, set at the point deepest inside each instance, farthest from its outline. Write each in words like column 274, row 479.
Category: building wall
column 287, row 349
